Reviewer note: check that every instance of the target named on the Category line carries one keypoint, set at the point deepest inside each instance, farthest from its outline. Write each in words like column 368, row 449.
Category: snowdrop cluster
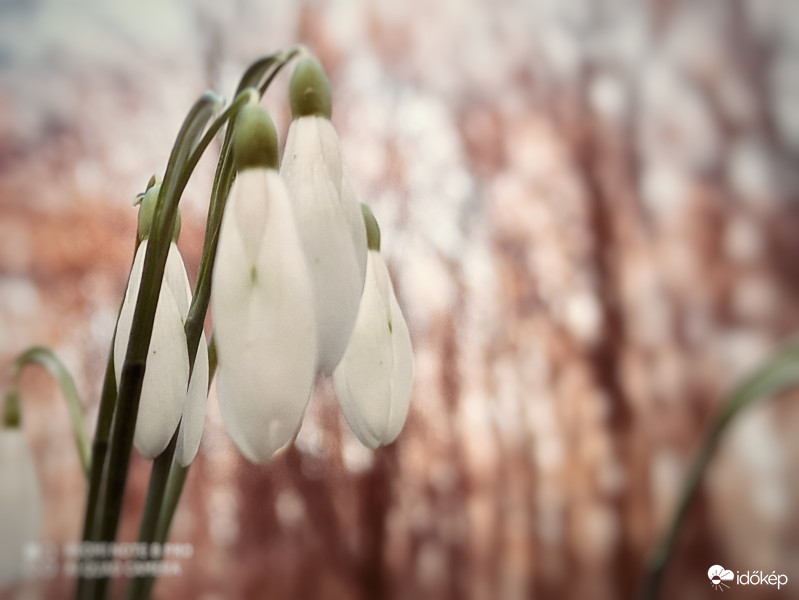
column 297, row 292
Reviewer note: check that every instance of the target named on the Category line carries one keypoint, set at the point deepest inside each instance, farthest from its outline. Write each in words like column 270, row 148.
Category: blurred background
column 589, row 212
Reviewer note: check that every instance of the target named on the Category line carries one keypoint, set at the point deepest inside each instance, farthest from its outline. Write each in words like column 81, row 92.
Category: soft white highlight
column 375, row 377
column 166, row 375
column 331, row 228
column 264, row 319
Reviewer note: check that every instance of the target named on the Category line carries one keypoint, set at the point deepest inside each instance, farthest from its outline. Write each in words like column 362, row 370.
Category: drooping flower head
column 262, row 304
column 374, row 379
column 165, row 387
column 20, row 498
column 327, row 212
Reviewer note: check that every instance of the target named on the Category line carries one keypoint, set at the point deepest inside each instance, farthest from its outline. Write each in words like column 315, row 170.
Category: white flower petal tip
column 264, row 319
column 166, row 377
column 20, row 505
column 331, row 228
column 193, row 421
column 375, row 377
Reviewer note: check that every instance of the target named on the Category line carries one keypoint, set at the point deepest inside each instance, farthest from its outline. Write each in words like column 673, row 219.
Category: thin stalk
column 102, row 432
column 46, row 358
column 778, row 374
column 174, row 489
column 156, row 491
column 243, row 97
column 100, row 444
column 281, row 61
column 141, row 588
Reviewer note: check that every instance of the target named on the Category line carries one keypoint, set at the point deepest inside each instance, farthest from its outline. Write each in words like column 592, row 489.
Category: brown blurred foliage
column 589, row 212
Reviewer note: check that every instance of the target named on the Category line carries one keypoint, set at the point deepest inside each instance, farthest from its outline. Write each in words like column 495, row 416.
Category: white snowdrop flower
column 373, row 381
column 164, row 394
column 262, row 304
column 327, row 212
column 191, row 426
column 20, row 504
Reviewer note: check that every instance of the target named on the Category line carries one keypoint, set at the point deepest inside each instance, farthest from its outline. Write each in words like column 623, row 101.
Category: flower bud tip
column 309, row 91
column 372, row 228
column 254, row 139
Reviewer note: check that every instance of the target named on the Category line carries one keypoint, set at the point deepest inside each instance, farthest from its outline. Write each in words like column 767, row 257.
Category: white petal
column 191, row 426
column 402, row 375
column 177, row 281
column 374, row 379
column 167, row 373
column 251, row 211
column 263, row 323
column 331, row 228
column 125, row 320
column 20, row 504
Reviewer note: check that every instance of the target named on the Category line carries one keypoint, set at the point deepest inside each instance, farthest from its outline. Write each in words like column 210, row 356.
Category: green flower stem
column 45, row 357
column 281, row 61
column 166, row 485
column 108, row 399
column 141, row 588
column 252, row 76
column 174, row 488
column 245, row 96
column 152, row 509
column 778, row 374
column 129, row 393
column 105, row 416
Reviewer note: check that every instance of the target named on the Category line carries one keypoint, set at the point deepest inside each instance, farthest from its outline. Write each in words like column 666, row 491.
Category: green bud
column 147, row 202
column 372, row 228
column 309, row 91
column 254, row 139
column 12, row 411
column 155, row 179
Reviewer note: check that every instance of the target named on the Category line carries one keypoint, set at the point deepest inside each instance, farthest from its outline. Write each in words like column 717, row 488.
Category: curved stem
column 46, row 358
column 281, row 61
column 105, row 525
column 778, row 374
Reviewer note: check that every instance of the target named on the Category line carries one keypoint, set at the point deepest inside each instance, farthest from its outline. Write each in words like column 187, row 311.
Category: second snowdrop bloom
column 20, row 500
column 261, row 300
column 327, row 211
column 373, row 381
column 166, row 392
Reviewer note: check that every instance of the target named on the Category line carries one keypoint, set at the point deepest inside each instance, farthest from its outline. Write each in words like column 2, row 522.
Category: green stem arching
column 45, row 357
column 105, row 524
column 778, row 374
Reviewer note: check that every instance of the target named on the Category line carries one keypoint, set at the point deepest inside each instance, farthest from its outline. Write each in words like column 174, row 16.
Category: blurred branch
column 779, row 374
column 45, row 357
